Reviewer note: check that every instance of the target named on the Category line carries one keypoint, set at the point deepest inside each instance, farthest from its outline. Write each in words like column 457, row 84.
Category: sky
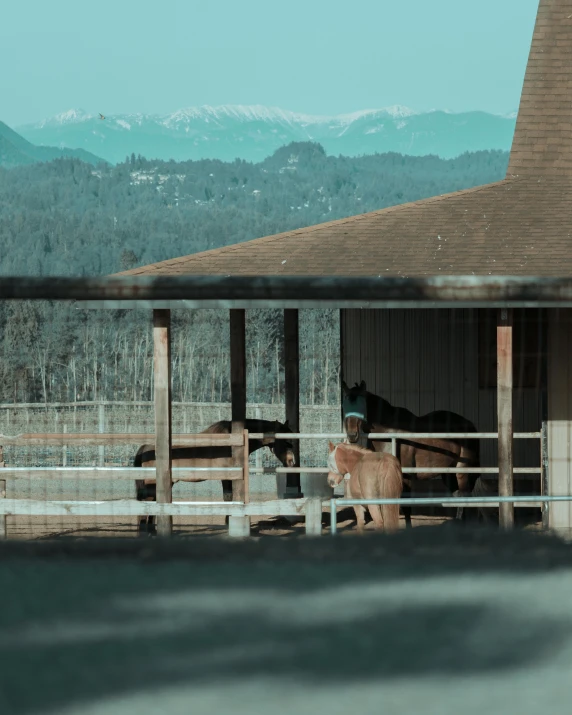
column 312, row 56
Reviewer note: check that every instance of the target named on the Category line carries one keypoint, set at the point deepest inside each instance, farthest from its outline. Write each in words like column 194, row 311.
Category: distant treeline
column 66, row 217
column 70, row 218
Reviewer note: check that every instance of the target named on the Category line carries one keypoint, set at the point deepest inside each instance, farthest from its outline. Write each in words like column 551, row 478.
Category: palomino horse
column 211, row 457
column 373, row 475
column 362, row 409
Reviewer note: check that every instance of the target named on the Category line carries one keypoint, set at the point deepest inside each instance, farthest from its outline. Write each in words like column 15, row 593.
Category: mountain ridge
column 254, row 132
column 15, row 150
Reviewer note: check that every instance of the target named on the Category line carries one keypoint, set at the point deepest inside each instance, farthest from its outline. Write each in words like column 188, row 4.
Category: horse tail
column 392, row 488
column 470, row 456
column 143, row 491
column 220, row 427
column 138, row 459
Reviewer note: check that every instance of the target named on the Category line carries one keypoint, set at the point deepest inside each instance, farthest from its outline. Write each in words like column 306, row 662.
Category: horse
column 211, row 457
column 364, row 410
column 373, row 475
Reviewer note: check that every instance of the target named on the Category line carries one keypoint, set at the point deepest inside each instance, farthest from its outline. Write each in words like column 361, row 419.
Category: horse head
column 282, row 449
column 335, row 476
column 354, row 409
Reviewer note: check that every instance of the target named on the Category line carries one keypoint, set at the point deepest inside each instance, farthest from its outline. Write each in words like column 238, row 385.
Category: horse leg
column 407, row 509
column 152, row 496
column 375, row 511
column 140, row 492
column 226, row 494
column 466, row 484
column 360, row 518
column 453, row 486
column 146, row 492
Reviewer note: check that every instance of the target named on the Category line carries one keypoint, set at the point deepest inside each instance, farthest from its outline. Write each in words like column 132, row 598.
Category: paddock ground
column 42, row 527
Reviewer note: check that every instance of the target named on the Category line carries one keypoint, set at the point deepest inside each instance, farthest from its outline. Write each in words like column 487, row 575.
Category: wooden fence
column 239, row 510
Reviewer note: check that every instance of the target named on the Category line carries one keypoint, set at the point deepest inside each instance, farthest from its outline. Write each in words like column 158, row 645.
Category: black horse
column 364, row 411
column 211, row 457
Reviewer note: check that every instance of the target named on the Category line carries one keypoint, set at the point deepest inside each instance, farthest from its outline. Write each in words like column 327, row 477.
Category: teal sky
column 313, row 56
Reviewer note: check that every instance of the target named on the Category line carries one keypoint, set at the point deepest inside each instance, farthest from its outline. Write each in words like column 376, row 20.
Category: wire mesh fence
column 137, row 418
column 422, row 361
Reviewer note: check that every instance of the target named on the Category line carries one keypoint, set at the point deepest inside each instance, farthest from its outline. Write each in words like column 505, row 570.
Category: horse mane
column 355, row 447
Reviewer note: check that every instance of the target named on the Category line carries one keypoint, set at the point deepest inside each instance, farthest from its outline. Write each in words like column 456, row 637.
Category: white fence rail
column 288, row 507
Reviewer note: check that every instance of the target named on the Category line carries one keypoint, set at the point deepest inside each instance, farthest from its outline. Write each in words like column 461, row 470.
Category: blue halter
column 356, row 407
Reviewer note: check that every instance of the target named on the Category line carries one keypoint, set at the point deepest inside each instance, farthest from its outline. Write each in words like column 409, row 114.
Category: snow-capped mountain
column 254, row 132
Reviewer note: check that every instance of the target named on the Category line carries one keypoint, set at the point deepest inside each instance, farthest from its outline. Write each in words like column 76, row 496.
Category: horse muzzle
column 334, row 479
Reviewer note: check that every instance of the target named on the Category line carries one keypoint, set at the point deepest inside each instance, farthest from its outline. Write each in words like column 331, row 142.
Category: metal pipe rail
column 391, row 435
column 408, row 470
column 523, row 501
column 394, row 437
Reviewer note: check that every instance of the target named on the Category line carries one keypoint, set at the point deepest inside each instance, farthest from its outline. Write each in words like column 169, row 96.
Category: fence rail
column 288, row 507
column 522, row 501
column 101, row 438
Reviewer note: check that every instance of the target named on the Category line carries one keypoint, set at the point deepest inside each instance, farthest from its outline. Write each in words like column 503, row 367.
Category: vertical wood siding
column 427, row 360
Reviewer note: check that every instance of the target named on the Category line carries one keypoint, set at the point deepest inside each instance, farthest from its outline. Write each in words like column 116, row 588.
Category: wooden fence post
column 3, row 530
column 65, row 449
column 101, row 420
column 313, row 510
column 544, row 484
column 163, row 426
column 237, row 327
column 246, row 468
column 504, row 408
column 240, row 525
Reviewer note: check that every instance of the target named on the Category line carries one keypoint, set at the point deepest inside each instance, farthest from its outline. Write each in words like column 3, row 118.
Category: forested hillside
column 67, row 217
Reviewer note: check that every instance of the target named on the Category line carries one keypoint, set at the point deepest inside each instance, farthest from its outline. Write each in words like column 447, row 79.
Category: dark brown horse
column 364, row 411
column 211, row 457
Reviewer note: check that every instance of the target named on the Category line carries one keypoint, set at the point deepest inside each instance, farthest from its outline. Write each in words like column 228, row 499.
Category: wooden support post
column 237, row 383
column 238, row 459
column 163, row 426
column 313, row 516
column 292, row 390
column 544, row 478
column 246, row 468
column 238, row 364
column 504, row 410
column 3, row 530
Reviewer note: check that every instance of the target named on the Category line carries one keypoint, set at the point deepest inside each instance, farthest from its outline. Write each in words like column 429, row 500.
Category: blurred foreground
column 435, row 620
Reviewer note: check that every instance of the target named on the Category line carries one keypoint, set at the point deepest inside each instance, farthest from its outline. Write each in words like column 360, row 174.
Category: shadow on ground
column 84, row 620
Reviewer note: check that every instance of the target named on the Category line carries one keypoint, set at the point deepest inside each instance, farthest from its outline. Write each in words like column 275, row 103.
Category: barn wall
column 427, row 360
column 560, row 416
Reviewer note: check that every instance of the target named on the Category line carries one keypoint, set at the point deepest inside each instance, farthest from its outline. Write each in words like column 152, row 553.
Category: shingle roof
column 542, row 141
column 518, row 226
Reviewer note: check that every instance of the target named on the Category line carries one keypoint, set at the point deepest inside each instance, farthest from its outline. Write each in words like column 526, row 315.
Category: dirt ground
column 43, row 527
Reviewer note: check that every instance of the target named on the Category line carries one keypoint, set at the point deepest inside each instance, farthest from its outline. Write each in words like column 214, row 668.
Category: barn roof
column 518, row 226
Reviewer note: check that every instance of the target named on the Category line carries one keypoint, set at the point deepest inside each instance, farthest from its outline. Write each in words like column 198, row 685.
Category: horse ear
column 332, row 446
column 362, row 385
column 286, row 424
